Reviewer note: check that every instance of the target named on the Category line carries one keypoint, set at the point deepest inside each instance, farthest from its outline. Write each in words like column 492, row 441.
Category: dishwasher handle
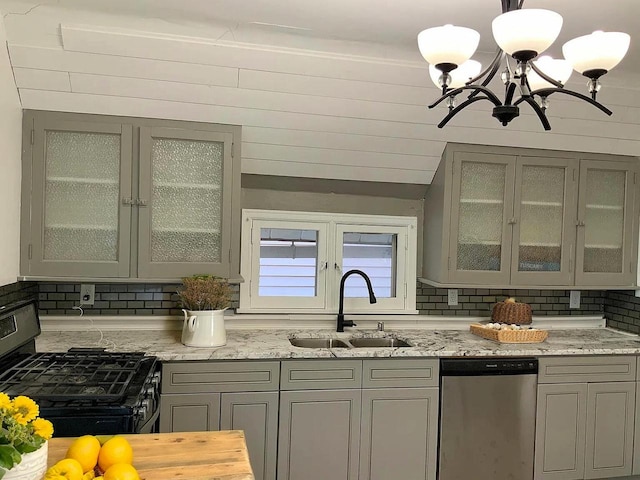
column 488, row 366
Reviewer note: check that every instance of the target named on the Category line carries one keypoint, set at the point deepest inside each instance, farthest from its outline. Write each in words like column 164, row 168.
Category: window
column 294, row 261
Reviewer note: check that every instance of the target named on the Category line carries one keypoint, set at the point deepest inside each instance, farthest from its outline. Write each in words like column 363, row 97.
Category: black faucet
column 372, row 299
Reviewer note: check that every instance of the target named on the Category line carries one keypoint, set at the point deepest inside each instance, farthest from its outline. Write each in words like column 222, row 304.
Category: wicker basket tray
column 509, row 336
column 511, row 312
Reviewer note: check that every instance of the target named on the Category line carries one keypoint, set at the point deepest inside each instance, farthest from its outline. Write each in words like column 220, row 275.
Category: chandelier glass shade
column 448, row 44
column 557, row 68
column 598, row 51
column 531, row 30
column 459, row 76
column 521, row 35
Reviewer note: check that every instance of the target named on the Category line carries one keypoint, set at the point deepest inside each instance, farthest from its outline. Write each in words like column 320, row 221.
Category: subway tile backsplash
column 477, row 302
column 161, row 299
column 621, row 308
column 116, row 299
column 622, row 311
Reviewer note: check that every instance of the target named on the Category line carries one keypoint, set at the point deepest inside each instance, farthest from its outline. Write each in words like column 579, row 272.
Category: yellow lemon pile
column 96, row 458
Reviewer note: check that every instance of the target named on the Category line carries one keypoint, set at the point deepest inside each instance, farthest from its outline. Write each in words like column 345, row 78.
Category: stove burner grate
column 72, row 376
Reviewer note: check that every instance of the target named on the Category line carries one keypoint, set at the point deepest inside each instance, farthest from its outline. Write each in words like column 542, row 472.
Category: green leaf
column 9, row 457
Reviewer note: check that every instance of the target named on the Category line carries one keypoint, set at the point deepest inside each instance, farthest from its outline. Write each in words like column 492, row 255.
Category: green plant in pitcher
column 205, row 292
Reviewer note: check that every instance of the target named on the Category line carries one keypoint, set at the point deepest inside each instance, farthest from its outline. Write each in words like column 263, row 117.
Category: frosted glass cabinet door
column 481, row 208
column 185, row 204
column 544, row 221
column 605, row 223
column 81, row 180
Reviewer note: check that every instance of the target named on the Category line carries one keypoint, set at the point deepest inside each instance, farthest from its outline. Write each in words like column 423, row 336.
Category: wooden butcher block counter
column 191, row 455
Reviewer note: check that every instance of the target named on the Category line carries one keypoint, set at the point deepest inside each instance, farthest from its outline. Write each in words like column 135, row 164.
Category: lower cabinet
column 399, row 434
column 585, row 430
column 377, row 420
column 319, row 435
column 198, row 396
column 257, row 414
column 190, row 412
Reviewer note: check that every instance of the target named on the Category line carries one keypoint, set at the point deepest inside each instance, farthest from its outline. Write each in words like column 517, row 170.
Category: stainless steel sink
column 377, row 342
column 318, row 343
column 351, row 343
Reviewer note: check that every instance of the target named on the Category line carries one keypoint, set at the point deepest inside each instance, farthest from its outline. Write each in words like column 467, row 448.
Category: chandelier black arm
column 536, row 108
column 545, row 76
column 464, row 104
column 511, row 89
column 490, row 70
column 489, row 95
column 545, row 92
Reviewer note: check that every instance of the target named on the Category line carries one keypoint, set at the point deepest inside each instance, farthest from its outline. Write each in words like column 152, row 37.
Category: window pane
column 375, row 255
column 288, row 263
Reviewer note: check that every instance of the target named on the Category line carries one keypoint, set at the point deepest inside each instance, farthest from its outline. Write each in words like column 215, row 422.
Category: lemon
column 121, row 471
column 104, row 438
column 67, row 469
column 85, row 450
column 115, row 450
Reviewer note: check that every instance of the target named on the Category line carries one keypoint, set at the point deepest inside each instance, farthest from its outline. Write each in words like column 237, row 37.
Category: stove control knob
column 155, row 380
column 150, row 392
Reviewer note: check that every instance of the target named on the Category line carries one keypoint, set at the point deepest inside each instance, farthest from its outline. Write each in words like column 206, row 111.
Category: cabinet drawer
column 400, row 373
column 320, row 374
column 206, row 377
column 587, row 369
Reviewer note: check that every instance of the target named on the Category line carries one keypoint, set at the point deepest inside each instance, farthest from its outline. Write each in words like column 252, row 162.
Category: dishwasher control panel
column 488, row 366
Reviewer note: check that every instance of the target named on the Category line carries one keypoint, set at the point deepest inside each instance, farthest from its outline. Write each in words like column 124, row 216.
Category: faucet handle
column 381, row 326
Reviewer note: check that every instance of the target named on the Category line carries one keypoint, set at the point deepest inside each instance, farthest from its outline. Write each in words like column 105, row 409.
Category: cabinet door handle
column 141, row 202
column 127, row 201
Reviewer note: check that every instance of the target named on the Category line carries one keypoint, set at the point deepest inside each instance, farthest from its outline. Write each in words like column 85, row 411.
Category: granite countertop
column 274, row 344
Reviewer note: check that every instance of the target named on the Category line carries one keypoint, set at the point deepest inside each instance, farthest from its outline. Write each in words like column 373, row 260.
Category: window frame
column 330, row 227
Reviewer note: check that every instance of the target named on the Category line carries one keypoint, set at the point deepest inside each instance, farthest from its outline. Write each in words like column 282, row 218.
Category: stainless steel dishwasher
column 487, row 418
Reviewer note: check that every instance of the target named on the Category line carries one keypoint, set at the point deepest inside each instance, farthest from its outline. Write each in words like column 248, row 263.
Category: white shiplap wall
column 305, row 111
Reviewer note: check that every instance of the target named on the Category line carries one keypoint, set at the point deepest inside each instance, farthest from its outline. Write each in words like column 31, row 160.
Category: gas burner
column 93, row 390
column 77, row 379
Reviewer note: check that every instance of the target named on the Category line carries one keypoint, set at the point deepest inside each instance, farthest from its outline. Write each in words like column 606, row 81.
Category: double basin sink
column 348, row 343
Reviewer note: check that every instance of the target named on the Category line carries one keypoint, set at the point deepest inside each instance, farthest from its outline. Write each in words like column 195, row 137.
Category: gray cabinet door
column 605, row 237
column 319, row 435
column 399, row 434
column 560, row 431
column 481, row 209
column 185, row 215
column 636, row 437
column 543, row 221
column 190, row 412
column 610, row 423
column 257, row 415
column 76, row 212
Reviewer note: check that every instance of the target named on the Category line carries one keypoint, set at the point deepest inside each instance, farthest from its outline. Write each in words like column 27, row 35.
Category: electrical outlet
column 452, row 299
column 574, row 299
column 87, row 294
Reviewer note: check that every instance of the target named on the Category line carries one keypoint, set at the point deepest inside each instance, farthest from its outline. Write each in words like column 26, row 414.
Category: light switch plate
column 574, row 299
column 452, row 299
column 87, row 294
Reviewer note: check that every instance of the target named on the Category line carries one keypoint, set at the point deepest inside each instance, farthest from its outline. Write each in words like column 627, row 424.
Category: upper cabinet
column 506, row 217
column 112, row 197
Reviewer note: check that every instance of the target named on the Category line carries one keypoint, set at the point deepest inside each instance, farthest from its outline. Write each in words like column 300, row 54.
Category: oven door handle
column 149, row 426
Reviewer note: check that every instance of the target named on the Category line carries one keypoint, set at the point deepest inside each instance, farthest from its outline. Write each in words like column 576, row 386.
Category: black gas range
column 81, row 391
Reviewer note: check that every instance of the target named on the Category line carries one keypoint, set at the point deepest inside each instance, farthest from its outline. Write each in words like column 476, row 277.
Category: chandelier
column 521, row 35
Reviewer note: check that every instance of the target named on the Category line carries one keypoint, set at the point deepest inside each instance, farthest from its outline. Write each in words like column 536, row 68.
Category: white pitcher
column 204, row 328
